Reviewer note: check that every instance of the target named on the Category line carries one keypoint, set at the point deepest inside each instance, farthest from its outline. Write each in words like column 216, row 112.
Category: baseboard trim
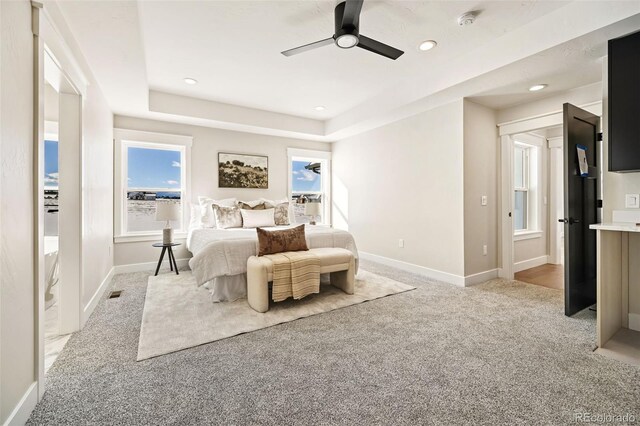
column 530, row 263
column 146, row 266
column 634, row 322
column 416, row 269
column 25, row 406
column 91, row 306
column 481, row 277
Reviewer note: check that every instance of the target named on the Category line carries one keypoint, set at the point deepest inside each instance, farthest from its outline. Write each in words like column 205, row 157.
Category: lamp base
column 167, row 236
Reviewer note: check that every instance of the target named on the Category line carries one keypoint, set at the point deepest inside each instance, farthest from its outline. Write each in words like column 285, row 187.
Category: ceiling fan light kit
column 347, row 34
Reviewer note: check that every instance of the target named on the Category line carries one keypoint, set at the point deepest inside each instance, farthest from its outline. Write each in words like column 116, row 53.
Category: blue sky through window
column 153, row 168
column 51, row 164
column 304, row 180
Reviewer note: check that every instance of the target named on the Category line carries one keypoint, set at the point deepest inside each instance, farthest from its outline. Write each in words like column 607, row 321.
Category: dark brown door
column 581, row 195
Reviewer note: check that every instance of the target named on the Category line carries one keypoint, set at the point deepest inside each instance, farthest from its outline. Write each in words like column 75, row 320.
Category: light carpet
column 499, row 353
column 178, row 315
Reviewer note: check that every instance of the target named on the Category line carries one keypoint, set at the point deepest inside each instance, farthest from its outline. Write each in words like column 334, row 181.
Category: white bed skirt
column 229, row 289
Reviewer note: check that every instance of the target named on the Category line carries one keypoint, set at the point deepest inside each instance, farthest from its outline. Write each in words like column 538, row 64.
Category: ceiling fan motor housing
column 350, row 31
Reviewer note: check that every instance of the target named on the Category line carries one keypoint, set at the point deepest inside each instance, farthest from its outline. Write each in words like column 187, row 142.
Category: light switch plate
column 632, row 201
column 483, row 200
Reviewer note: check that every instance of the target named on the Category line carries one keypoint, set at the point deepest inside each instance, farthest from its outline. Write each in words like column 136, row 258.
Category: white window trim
column 326, row 177
column 147, row 139
column 526, row 235
column 534, row 187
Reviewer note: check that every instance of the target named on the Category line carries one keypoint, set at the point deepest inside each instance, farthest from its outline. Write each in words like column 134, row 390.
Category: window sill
column 136, row 238
column 526, row 235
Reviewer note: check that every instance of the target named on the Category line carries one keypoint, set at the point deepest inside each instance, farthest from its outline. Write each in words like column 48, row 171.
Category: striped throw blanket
column 295, row 274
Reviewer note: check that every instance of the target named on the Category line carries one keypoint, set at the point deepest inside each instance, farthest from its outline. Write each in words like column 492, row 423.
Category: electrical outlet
column 483, row 200
column 401, row 243
column 484, row 250
column 632, row 201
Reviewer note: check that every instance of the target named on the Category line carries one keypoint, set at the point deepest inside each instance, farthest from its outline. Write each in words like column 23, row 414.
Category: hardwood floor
column 548, row 275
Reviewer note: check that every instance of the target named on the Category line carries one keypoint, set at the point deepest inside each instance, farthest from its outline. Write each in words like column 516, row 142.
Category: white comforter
column 220, row 255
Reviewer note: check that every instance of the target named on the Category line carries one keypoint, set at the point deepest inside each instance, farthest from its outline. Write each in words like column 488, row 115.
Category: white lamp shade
column 167, row 211
column 312, row 209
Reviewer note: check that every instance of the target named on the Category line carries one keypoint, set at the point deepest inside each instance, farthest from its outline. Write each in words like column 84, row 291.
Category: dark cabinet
column 624, row 104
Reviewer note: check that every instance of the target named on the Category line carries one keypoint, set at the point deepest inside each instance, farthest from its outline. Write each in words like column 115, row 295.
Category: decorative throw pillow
column 227, row 217
column 256, row 218
column 206, row 209
column 292, row 239
column 252, row 205
column 281, row 211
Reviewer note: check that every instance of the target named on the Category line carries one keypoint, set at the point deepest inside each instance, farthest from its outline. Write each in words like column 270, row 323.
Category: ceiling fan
column 347, row 35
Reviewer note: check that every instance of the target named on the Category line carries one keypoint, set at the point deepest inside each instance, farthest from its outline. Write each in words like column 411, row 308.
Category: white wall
column 579, row 96
column 97, row 165
column 405, row 181
column 17, row 308
column 480, row 178
column 207, row 142
column 97, row 195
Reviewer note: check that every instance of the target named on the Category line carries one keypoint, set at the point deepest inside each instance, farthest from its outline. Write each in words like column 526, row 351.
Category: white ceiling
column 233, row 49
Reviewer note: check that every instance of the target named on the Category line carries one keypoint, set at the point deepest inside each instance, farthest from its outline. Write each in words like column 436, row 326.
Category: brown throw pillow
column 271, row 242
column 245, row 206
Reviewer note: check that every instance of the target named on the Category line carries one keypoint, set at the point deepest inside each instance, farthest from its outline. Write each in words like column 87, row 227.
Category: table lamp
column 167, row 211
column 313, row 210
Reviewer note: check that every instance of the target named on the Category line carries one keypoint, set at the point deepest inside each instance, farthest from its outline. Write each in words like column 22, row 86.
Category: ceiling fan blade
column 374, row 46
column 351, row 14
column 309, row 46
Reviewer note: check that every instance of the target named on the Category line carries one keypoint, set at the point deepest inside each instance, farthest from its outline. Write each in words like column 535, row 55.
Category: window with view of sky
column 153, row 168
column 304, row 180
column 51, row 164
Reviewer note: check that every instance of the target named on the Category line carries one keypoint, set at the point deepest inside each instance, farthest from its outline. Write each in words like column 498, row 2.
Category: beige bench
column 338, row 262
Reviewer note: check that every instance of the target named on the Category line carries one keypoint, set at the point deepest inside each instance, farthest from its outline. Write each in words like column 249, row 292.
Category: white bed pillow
column 207, row 217
column 257, row 218
column 195, row 220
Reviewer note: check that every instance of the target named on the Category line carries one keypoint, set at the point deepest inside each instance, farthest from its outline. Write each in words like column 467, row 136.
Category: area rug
column 178, row 315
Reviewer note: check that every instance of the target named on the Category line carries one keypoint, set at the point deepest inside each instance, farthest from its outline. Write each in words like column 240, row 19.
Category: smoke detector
column 466, row 19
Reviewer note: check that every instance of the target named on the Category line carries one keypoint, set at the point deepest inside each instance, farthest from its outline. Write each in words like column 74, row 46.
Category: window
column 151, row 168
column 526, row 184
column 521, row 186
column 51, row 186
column 309, row 181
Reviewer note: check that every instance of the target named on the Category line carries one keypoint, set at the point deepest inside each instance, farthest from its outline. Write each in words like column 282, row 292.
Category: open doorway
column 59, row 175
column 54, row 340
column 541, row 182
column 538, row 205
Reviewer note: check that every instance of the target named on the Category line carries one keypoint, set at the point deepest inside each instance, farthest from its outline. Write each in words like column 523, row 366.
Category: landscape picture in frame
column 243, row 171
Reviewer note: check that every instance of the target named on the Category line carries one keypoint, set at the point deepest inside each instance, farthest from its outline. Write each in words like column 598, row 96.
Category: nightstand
column 172, row 259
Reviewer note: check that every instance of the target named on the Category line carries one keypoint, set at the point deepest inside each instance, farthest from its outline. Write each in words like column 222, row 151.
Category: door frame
column 54, row 61
column 556, row 199
column 506, row 130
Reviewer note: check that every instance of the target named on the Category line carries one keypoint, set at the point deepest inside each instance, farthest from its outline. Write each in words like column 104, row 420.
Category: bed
column 220, row 256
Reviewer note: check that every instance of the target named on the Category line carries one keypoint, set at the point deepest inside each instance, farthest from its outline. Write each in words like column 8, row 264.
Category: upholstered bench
column 338, row 262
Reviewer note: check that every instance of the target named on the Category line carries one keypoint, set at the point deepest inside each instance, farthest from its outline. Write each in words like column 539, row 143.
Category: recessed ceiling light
column 320, row 108
column 537, row 87
column 191, row 81
column 427, row 45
